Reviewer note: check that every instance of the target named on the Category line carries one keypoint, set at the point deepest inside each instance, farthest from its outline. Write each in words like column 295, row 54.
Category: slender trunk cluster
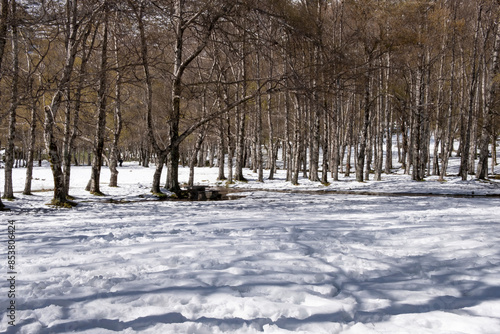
column 319, row 89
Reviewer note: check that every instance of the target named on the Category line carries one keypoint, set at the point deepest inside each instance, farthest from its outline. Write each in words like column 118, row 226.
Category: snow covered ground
column 275, row 259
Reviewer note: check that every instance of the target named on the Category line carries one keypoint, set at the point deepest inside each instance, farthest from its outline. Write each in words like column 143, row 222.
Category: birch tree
column 491, row 98
column 466, row 133
column 73, row 37
column 117, row 111
column 14, row 101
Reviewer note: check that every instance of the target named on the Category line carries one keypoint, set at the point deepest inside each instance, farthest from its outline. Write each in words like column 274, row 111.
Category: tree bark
column 10, row 149
column 417, row 133
column 364, row 132
column 221, row 147
column 32, row 142
column 115, row 153
column 194, row 156
column 155, row 189
column 241, row 116
column 258, row 129
column 272, row 151
column 54, row 159
column 488, row 116
column 388, row 119
column 101, row 112
column 230, row 150
column 448, row 136
column 297, row 142
column 465, row 137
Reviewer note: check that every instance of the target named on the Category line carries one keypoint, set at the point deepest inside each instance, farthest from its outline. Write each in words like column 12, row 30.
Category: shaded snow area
column 270, row 260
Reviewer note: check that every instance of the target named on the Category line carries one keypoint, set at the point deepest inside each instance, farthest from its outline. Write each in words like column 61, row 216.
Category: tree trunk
column 240, row 117
column 336, row 133
column 230, row 150
column 287, row 147
column 221, row 150
column 258, row 126
column 466, row 135
column 448, row 135
column 380, row 124
column 32, row 142
column 388, row 119
column 349, row 139
column 297, row 142
column 101, row 112
column 369, row 152
column 324, row 145
column 487, row 129
column 272, row 151
column 364, row 132
column 54, row 159
column 417, row 133
column 9, row 152
column 115, row 153
column 155, row 189
column 194, row 156
column 240, row 145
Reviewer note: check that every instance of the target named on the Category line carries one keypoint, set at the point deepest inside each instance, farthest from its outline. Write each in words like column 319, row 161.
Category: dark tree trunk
column 240, row 127
column 194, row 156
column 448, row 135
column 220, row 151
column 466, row 135
column 155, row 189
column 101, row 117
column 364, row 133
column 54, row 159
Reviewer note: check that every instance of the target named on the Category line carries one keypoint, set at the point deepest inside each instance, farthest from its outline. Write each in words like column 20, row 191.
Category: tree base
column 242, row 179
column 161, row 195
column 63, row 204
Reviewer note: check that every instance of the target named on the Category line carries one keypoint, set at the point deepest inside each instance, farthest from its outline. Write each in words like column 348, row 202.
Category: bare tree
column 72, row 110
column 73, row 40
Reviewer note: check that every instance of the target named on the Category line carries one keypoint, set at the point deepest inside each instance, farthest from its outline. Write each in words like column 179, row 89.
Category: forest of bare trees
column 322, row 85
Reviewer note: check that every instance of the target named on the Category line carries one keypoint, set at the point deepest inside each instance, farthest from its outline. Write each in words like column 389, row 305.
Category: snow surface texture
column 267, row 261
